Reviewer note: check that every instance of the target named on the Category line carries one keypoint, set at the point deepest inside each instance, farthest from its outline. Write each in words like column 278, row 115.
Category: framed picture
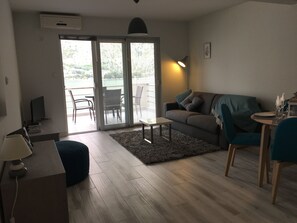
column 207, row 50
column 2, row 96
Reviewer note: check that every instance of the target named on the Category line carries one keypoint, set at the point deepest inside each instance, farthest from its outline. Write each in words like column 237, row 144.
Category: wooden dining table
column 267, row 119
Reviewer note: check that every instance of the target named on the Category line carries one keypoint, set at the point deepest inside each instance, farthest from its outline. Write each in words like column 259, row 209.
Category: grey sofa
column 201, row 123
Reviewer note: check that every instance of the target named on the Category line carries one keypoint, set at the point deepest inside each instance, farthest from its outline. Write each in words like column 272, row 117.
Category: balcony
column 84, row 122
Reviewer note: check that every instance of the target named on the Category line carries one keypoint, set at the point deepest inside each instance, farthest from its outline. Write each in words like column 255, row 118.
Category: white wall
column 40, row 60
column 9, row 69
column 254, row 51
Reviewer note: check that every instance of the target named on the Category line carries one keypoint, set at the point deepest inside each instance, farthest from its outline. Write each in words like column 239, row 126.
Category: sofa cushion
column 179, row 115
column 205, row 122
column 179, row 98
column 208, row 98
column 192, row 103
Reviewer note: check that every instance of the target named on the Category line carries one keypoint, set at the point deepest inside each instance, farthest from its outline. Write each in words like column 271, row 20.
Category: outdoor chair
column 137, row 99
column 113, row 102
column 81, row 104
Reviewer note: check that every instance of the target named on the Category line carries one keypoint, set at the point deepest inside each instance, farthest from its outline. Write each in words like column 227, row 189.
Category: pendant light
column 137, row 26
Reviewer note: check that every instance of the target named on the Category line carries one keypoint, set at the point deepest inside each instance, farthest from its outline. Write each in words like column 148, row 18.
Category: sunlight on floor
column 84, row 123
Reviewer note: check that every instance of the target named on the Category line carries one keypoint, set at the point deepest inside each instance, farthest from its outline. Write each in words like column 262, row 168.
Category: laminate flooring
column 121, row 189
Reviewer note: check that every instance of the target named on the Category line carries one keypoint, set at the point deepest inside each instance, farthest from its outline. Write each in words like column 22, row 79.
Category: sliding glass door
column 143, row 74
column 127, row 77
column 113, row 78
column 79, row 85
column 118, row 79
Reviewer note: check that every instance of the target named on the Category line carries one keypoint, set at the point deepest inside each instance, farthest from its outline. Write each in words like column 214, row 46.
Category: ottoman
column 75, row 159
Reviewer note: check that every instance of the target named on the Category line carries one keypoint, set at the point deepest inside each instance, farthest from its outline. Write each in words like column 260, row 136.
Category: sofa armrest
column 170, row 106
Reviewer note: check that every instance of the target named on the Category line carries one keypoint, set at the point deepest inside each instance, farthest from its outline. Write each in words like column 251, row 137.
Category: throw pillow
column 179, row 98
column 186, row 102
column 194, row 105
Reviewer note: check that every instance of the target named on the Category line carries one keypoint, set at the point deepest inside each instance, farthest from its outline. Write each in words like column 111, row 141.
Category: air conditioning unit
column 288, row 2
column 53, row 21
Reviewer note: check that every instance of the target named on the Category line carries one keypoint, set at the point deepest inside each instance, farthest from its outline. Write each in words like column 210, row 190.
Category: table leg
column 142, row 131
column 263, row 153
column 169, row 126
column 152, row 135
column 160, row 130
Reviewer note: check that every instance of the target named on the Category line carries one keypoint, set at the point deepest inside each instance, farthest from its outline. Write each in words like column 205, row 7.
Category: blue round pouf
column 75, row 159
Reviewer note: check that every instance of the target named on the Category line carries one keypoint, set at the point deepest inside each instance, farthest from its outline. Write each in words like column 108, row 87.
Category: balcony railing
column 147, row 99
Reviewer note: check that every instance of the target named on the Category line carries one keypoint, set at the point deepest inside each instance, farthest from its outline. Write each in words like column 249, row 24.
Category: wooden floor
column 122, row 189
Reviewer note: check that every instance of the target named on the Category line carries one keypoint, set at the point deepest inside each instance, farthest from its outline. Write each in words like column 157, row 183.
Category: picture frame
column 2, row 96
column 207, row 50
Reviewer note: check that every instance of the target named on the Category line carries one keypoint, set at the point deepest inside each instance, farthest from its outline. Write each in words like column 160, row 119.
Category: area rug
column 162, row 150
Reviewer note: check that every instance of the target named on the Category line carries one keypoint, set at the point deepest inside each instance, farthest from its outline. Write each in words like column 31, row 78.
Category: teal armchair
column 236, row 140
column 283, row 150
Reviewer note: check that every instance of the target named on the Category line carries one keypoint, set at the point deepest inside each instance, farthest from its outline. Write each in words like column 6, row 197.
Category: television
column 37, row 110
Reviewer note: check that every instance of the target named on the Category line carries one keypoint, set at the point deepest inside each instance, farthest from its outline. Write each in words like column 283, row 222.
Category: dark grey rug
column 162, row 150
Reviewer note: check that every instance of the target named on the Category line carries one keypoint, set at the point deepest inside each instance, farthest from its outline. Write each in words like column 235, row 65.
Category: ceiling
column 171, row 10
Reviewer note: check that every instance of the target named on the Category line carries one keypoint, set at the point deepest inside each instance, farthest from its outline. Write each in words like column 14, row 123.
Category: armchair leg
column 233, row 156
column 275, row 179
column 229, row 158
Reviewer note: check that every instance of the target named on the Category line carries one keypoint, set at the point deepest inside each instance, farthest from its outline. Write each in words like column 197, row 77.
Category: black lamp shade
column 137, row 27
column 183, row 62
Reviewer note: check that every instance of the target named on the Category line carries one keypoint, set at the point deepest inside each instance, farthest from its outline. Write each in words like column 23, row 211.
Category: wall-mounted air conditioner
column 288, row 2
column 52, row 21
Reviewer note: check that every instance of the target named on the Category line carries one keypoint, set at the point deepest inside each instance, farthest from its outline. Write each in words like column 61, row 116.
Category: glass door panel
column 143, row 80
column 112, row 79
column 79, row 85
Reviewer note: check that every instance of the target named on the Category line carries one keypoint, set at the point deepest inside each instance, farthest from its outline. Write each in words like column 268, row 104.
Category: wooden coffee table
column 153, row 122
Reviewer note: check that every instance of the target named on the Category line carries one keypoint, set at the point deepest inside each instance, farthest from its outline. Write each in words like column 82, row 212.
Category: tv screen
column 37, row 109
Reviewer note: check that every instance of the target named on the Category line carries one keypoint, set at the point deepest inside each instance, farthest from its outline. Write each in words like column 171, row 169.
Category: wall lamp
column 183, row 62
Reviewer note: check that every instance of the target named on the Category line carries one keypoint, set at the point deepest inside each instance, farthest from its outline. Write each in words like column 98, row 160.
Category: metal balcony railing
column 147, row 101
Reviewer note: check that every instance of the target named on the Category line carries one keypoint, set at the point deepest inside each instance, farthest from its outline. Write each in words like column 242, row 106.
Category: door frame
column 98, row 93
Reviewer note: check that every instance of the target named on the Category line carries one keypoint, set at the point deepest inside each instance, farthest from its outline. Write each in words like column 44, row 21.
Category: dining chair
column 236, row 140
column 283, row 150
column 81, row 104
column 113, row 102
column 137, row 99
